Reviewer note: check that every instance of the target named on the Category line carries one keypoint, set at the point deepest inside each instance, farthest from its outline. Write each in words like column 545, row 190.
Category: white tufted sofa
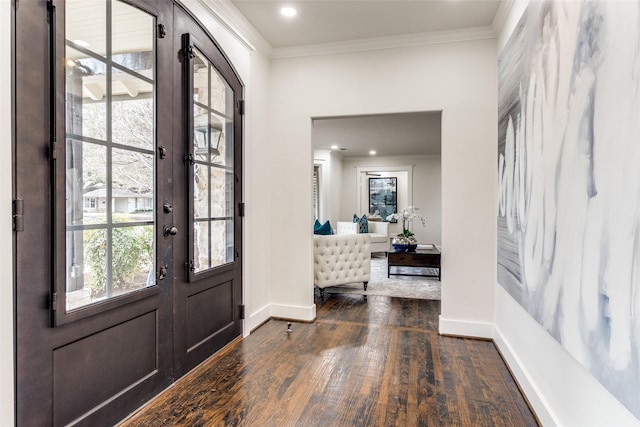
column 379, row 232
column 339, row 259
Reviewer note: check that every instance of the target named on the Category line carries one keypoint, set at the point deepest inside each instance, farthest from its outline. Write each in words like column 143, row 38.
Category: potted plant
column 406, row 240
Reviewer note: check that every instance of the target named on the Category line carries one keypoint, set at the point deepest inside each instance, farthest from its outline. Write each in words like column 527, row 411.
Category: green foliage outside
column 132, row 255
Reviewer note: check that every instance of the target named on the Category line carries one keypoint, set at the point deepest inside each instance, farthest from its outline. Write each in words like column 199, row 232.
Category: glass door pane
column 110, row 151
column 212, row 170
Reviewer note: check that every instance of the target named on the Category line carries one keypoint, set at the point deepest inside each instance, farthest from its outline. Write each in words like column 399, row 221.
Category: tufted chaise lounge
column 339, row 259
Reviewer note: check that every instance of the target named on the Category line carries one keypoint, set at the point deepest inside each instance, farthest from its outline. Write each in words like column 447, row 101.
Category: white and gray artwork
column 569, row 182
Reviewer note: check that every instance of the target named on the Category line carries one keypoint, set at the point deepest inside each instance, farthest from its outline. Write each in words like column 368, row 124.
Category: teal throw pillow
column 322, row 229
column 363, row 223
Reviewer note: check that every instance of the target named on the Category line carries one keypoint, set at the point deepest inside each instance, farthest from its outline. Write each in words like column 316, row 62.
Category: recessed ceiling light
column 372, row 152
column 334, row 147
column 288, row 11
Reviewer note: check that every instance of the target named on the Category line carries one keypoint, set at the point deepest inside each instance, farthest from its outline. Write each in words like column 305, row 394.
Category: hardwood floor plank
column 366, row 361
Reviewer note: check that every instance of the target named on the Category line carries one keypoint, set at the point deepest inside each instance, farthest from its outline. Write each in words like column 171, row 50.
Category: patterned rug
column 395, row 286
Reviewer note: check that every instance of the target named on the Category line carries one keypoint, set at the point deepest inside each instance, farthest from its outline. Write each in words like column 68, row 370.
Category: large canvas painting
column 569, row 181
column 383, row 196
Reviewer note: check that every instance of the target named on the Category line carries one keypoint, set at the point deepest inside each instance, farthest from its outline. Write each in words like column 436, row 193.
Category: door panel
column 71, row 378
column 108, row 311
column 208, row 293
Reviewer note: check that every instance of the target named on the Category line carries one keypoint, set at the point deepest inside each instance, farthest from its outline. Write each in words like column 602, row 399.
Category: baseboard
column 465, row 328
column 482, row 330
column 531, row 393
column 291, row 312
column 256, row 319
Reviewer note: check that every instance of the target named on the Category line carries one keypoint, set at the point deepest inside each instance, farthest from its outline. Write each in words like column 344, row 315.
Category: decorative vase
column 412, row 243
column 400, row 243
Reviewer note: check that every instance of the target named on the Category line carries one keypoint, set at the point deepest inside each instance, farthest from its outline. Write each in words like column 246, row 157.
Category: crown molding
column 501, row 15
column 230, row 18
column 377, row 43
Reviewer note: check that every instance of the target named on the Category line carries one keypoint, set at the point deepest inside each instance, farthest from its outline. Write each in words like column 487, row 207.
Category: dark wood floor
column 375, row 361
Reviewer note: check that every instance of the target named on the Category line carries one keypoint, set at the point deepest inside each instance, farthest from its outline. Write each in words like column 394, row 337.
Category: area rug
column 395, row 286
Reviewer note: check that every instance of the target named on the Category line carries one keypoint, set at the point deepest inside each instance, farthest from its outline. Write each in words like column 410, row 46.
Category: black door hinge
column 190, row 159
column 241, row 311
column 18, row 215
column 54, row 301
column 241, row 107
column 241, row 209
column 190, row 266
column 162, row 32
column 162, row 151
column 52, row 151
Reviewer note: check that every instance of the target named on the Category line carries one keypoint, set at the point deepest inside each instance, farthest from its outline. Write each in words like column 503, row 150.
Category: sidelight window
column 211, row 156
column 109, row 151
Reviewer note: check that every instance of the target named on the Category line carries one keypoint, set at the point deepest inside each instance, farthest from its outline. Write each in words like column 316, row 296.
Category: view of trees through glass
column 110, row 150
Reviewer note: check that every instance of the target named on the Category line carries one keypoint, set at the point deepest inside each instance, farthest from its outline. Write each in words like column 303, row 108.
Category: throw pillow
column 363, row 224
column 322, row 229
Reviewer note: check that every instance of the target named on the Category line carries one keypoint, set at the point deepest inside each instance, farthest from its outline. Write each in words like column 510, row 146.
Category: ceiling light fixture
column 334, row 147
column 288, row 11
column 372, row 152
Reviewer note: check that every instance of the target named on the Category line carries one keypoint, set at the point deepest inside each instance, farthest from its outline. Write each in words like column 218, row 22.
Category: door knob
column 170, row 230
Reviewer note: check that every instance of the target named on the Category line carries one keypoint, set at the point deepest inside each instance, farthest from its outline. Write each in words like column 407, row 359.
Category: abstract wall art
column 383, row 196
column 569, row 181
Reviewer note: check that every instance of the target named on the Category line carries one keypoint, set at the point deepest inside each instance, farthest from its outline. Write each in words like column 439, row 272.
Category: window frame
column 58, row 301
column 190, row 42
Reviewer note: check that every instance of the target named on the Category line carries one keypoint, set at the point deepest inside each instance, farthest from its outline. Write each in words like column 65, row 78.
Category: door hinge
column 162, row 32
column 189, row 54
column 162, row 152
column 190, row 266
column 241, row 107
column 18, row 215
column 52, row 151
column 54, row 301
column 241, row 209
column 241, row 311
column 190, row 159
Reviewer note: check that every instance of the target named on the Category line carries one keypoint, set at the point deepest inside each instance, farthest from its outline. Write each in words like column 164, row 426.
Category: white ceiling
column 332, row 21
column 340, row 23
column 388, row 134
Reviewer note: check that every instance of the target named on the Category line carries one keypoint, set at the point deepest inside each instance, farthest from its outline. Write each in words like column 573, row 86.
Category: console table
column 425, row 258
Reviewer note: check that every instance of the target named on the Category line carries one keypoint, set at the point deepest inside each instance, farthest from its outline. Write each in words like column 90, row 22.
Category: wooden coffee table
column 424, row 258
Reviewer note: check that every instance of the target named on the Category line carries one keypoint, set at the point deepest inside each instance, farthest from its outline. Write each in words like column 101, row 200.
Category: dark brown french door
column 128, row 199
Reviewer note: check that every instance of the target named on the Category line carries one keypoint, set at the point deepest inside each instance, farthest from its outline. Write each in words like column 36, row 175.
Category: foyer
column 366, row 361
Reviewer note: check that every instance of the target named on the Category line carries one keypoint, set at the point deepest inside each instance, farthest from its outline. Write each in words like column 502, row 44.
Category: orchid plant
column 407, row 215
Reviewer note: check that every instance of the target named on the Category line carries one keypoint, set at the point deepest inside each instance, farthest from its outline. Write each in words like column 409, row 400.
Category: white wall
column 257, row 187
column 330, row 185
column 560, row 389
column 459, row 79
column 427, row 194
column 6, row 252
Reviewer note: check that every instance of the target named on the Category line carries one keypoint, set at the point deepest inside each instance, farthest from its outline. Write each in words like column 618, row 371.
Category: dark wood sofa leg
column 365, row 285
column 321, row 293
